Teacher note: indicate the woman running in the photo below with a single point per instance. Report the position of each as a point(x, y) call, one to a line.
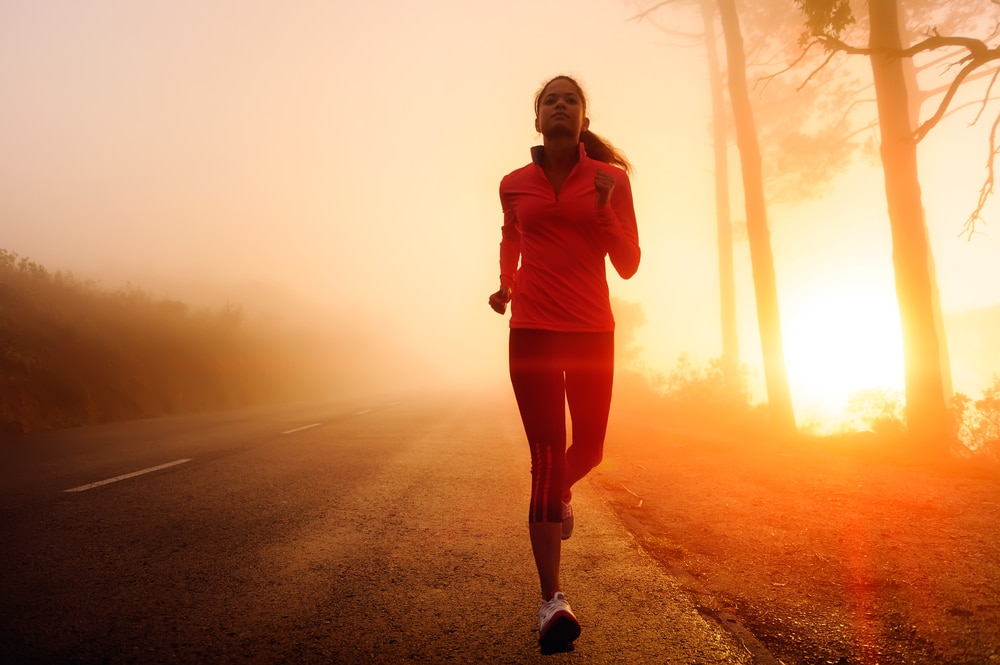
point(562, 215)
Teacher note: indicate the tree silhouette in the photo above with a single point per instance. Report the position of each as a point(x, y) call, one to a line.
point(926, 384)
point(720, 126)
point(723, 214)
point(762, 260)
point(758, 235)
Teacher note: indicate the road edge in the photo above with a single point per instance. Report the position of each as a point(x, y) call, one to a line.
point(704, 600)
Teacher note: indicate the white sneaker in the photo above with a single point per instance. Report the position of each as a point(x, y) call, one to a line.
point(557, 625)
point(567, 520)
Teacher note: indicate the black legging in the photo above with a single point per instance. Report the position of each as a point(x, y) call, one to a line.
point(548, 370)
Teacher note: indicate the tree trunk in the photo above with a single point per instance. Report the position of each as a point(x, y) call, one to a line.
point(914, 104)
point(723, 216)
point(944, 357)
point(765, 283)
point(926, 413)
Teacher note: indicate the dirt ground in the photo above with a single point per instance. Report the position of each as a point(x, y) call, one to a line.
point(849, 556)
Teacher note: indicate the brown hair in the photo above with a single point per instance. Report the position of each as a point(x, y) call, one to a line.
point(597, 148)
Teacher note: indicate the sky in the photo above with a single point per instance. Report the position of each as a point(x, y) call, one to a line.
point(342, 160)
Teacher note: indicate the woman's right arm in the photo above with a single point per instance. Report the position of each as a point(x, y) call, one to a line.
point(510, 254)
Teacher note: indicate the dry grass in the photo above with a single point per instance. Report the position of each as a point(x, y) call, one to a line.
point(829, 550)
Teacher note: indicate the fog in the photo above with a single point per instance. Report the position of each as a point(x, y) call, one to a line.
point(339, 163)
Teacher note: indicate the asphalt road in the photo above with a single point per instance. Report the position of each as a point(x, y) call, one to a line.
point(353, 532)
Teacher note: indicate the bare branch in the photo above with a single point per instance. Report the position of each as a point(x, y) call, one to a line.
point(969, 228)
point(805, 52)
point(691, 38)
point(942, 58)
point(850, 107)
point(978, 55)
point(928, 93)
point(979, 102)
point(645, 14)
point(834, 44)
point(977, 48)
point(870, 127)
point(829, 57)
point(986, 98)
point(929, 124)
point(978, 51)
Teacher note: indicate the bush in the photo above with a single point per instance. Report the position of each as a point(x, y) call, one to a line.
point(709, 386)
point(694, 398)
point(880, 410)
point(977, 423)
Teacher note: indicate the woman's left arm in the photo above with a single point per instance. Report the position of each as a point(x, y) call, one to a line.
point(616, 219)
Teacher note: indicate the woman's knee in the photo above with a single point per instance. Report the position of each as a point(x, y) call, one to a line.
point(583, 458)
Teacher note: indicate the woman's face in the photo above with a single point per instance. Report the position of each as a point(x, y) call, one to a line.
point(561, 110)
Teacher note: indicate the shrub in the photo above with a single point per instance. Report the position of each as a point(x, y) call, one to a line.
point(880, 410)
point(711, 397)
point(977, 423)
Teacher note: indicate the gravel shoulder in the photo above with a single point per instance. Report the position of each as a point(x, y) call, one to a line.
point(826, 555)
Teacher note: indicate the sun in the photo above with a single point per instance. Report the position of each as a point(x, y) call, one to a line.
point(837, 343)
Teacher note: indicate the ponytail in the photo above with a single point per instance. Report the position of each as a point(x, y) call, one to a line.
point(602, 150)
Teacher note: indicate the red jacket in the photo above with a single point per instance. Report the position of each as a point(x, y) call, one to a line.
point(561, 241)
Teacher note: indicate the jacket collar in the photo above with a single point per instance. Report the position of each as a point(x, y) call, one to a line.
point(536, 153)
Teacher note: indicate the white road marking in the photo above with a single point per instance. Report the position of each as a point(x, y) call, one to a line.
point(83, 488)
point(299, 429)
point(361, 413)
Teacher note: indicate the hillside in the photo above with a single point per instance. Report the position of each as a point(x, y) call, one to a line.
point(72, 353)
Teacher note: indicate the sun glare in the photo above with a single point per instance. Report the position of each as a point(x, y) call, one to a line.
point(838, 343)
